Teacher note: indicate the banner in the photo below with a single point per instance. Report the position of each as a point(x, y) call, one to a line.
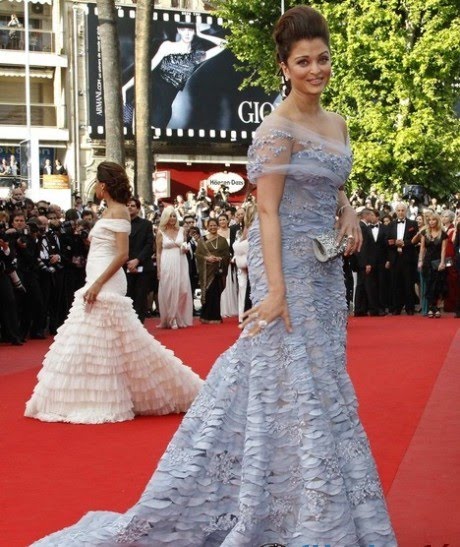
point(194, 85)
point(230, 182)
point(161, 184)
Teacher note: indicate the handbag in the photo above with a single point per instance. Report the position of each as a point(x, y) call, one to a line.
point(435, 263)
point(326, 247)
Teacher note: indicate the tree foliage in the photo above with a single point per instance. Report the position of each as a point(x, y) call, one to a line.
point(143, 165)
point(396, 80)
point(111, 75)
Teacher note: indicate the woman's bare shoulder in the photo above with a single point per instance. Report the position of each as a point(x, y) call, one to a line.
point(119, 212)
point(339, 120)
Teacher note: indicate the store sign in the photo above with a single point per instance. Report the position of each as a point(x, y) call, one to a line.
point(230, 181)
point(55, 182)
point(161, 184)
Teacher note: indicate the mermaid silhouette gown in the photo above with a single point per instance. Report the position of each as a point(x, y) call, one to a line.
point(272, 449)
point(103, 365)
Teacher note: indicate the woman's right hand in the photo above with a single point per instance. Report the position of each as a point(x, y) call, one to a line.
point(274, 305)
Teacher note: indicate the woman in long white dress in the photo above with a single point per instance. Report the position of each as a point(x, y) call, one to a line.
point(174, 290)
point(229, 297)
point(240, 254)
point(104, 366)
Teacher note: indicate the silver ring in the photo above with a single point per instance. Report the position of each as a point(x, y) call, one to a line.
point(262, 324)
point(350, 237)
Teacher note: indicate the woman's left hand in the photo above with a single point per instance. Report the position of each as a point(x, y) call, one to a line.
point(90, 295)
point(274, 305)
point(441, 266)
point(349, 226)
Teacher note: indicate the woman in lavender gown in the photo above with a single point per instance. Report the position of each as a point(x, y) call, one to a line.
point(272, 450)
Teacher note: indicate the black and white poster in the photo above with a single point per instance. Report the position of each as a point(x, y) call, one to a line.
point(194, 92)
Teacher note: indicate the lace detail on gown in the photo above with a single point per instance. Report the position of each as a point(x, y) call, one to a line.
point(103, 365)
point(272, 450)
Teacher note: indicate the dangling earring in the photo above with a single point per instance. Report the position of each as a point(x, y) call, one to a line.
point(285, 86)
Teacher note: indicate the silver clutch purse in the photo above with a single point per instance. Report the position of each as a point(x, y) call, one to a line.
point(325, 246)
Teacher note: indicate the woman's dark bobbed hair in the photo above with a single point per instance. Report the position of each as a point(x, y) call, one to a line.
point(298, 23)
point(116, 181)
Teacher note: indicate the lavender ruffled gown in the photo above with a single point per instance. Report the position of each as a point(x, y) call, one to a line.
point(272, 450)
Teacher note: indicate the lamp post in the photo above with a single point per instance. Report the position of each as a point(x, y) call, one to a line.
point(282, 6)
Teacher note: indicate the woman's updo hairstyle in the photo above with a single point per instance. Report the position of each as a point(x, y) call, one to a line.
point(116, 181)
point(298, 23)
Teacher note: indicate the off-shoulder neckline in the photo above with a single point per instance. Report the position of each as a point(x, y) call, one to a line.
point(288, 124)
point(122, 219)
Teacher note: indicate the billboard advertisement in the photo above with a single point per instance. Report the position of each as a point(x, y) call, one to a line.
point(194, 93)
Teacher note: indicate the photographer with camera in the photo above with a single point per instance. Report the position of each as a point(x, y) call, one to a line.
point(202, 208)
point(51, 273)
point(72, 235)
point(9, 323)
point(23, 238)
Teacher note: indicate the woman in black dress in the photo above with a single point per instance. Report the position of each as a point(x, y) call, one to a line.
point(432, 262)
point(174, 63)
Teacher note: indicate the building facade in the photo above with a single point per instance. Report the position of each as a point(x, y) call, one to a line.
point(47, 100)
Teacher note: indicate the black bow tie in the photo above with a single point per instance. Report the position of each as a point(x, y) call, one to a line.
point(401, 221)
point(374, 225)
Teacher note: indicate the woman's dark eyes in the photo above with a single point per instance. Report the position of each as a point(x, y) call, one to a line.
point(305, 62)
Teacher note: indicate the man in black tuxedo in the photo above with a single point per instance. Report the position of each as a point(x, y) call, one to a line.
point(236, 228)
point(374, 257)
point(193, 234)
point(139, 268)
point(361, 306)
point(23, 238)
point(403, 261)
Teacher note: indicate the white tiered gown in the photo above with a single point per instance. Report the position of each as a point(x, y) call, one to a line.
point(103, 365)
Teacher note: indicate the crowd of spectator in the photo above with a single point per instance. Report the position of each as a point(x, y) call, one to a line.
point(43, 252)
point(408, 262)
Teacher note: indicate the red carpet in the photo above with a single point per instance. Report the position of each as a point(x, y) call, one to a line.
point(404, 374)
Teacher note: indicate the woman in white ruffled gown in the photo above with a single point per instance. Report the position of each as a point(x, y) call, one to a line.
point(174, 290)
point(103, 365)
point(229, 297)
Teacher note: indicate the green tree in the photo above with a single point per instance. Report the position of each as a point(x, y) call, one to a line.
point(111, 76)
point(396, 80)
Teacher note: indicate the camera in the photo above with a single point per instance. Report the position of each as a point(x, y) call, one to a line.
point(34, 228)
